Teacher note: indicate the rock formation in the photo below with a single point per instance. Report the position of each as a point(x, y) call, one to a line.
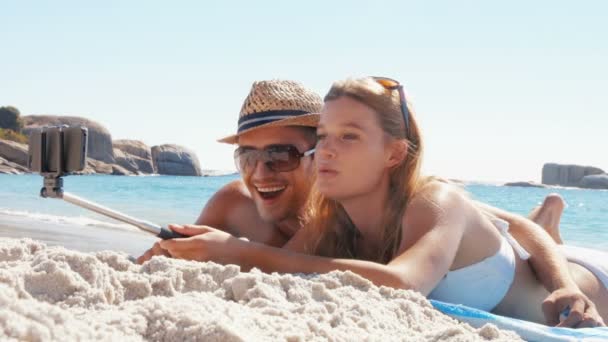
point(119, 157)
point(8, 167)
point(134, 156)
point(594, 182)
point(573, 175)
point(14, 152)
point(526, 184)
point(176, 160)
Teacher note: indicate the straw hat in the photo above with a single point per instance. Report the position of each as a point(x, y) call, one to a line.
point(277, 103)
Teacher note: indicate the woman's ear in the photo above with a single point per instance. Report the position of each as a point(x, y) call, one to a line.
point(397, 152)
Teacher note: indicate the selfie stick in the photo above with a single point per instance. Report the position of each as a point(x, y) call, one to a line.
point(53, 188)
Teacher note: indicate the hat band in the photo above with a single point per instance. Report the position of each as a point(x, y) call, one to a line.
point(257, 119)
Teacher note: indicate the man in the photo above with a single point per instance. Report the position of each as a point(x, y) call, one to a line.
point(276, 138)
point(265, 205)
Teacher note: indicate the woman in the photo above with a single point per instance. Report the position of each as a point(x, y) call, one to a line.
point(372, 213)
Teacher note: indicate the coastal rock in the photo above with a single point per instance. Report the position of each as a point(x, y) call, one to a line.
point(97, 166)
point(14, 152)
point(99, 138)
point(133, 147)
point(144, 166)
point(567, 175)
point(218, 173)
point(594, 182)
point(133, 154)
point(175, 160)
point(118, 170)
point(8, 167)
point(119, 157)
point(125, 161)
point(526, 184)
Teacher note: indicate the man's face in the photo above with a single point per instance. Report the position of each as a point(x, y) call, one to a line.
point(278, 195)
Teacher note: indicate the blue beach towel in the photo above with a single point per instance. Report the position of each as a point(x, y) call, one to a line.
point(527, 330)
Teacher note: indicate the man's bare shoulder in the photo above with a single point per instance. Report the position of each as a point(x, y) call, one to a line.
point(233, 210)
point(233, 191)
point(232, 197)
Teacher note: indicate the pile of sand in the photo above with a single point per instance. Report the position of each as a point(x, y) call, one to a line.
point(51, 293)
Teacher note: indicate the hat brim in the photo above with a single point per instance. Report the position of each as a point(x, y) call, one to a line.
point(306, 120)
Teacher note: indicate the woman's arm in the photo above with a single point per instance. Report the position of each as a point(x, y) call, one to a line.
point(551, 269)
point(433, 226)
point(270, 259)
point(550, 266)
point(210, 244)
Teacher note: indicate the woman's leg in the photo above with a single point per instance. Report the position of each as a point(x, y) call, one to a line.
point(549, 214)
point(589, 269)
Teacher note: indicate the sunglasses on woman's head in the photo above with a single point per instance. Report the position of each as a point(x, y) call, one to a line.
point(278, 158)
point(391, 84)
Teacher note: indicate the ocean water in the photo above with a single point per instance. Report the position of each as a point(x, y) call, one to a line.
point(166, 199)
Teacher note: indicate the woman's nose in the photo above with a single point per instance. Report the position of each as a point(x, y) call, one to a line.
point(325, 149)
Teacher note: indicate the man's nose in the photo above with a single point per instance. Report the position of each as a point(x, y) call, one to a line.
point(261, 170)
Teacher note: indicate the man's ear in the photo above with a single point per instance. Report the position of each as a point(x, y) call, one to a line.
point(397, 153)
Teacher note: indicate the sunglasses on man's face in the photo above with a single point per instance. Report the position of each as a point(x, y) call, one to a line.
point(391, 84)
point(278, 158)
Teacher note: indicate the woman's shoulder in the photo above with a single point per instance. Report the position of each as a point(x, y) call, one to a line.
point(436, 199)
point(439, 191)
point(436, 206)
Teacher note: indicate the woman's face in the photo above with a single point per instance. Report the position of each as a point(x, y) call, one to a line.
point(352, 151)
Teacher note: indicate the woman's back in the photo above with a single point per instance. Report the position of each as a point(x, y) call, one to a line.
point(486, 272)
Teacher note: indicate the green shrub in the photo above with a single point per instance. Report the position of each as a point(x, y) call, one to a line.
point(9, 118)
point(8, 134)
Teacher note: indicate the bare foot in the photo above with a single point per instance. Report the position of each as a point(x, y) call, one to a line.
point(549, 214)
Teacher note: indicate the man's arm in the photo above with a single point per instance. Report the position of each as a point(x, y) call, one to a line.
point(219, 209)
point(213, 214)
point(551, 269)
point(230, 210)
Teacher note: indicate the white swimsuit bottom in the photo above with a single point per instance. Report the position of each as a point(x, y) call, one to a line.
point(593, 260)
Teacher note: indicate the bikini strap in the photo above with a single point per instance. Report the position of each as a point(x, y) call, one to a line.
point(503, 228)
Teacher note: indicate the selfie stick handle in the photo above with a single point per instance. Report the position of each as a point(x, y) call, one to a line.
point(149, 227)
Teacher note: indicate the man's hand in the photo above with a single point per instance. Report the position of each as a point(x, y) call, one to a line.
point(155, 250)
point(204, 244)
point(158, 250)
point(582, 311)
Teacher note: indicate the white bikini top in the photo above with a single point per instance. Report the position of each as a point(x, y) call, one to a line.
point(483, 285)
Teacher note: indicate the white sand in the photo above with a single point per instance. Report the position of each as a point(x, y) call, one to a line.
point(51, 293)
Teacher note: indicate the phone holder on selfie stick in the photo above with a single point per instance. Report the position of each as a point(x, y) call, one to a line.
point(53, 183)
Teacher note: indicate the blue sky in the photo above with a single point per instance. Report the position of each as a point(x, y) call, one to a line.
point(499, 87)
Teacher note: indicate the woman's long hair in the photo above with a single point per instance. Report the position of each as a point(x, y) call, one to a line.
point(334, 232)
